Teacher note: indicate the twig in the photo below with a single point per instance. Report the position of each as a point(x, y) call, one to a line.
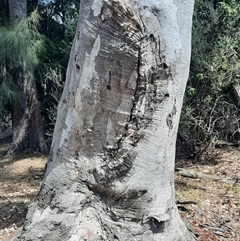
point(193, 174)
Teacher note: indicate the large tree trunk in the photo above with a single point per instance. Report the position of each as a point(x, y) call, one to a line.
point(27, 121)
point(111, 166)
point(26, 116)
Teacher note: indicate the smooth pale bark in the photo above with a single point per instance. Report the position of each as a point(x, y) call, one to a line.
point(111, 166)
point(26, 114)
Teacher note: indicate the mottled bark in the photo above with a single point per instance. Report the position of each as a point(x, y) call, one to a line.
point(17, 10)
point(111, 166)
point(26, 116)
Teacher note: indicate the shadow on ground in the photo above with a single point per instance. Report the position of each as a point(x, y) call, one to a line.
point(20, 179)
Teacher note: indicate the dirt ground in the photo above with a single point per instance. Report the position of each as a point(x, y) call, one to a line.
point(20, 179)
point(211, 209)
point(215, 214)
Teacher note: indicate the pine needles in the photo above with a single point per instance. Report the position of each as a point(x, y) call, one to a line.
point(20, 48)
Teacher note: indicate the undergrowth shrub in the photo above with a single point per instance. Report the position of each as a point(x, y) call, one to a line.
point(211, 106)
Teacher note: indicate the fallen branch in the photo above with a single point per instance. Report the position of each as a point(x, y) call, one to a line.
point(225, 144)
point(184, 202)
point(196, 175)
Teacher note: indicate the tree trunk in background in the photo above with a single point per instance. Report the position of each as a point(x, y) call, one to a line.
point(5, 6)
point(26, 116)
point(27, 121)
point(111, 166)
point(17, 10)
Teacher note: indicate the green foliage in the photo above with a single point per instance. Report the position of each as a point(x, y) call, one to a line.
point(52, 85)
point(210, 109)
point(22, 44)
point(59, 21)
point(20, 47)
point(59, 24)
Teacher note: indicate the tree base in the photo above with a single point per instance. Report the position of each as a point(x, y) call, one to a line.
point(89, 218)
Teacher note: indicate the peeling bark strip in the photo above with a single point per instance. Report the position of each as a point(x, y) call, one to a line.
point(110, 171)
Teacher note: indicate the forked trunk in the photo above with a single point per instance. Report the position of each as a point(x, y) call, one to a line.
point(111, 166)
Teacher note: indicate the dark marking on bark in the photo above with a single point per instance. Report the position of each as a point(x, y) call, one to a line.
point(78, 67)
point(155, 225)
point(114, 217)
point(77, 136)
point(116, 237)
point(118, 164)
point(120, 169)
point(169, 120)
point(109, 80)
point(151, 37)
point(165, 66)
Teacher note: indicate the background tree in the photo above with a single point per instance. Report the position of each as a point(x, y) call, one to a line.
point(19, 55)
point(111, 166)
point(47, 68)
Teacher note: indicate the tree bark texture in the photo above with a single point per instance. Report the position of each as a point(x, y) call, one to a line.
point(17, 10)
point(26, 115)
point(111, 165)
point(27, 121)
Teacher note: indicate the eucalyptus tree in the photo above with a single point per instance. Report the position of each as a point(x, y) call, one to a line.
point(20, 46)
point(111, 165)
